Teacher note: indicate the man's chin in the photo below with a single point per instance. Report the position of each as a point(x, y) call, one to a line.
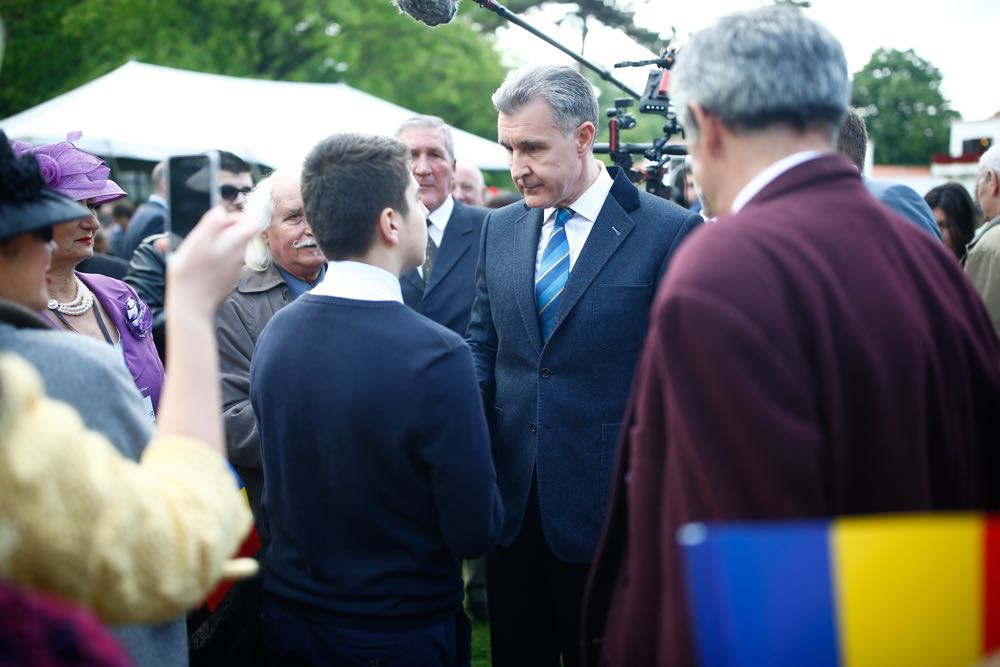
point(537, 199)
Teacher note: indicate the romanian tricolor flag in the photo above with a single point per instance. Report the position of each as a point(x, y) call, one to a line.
point(249, 549)
point(921, 589)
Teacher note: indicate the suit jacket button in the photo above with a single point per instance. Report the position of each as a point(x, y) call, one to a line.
point(545, 373)
point(534, 429)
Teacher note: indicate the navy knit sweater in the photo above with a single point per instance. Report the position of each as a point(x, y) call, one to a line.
point(377, 466)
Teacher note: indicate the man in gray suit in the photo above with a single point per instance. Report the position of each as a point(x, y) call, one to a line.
point(563, 289)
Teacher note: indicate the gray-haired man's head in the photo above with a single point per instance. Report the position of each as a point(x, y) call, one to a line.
point(758, 68)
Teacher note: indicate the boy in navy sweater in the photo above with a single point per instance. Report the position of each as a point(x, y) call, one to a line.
point(377, 467)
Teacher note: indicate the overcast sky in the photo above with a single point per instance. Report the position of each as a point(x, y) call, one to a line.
point(959, 37)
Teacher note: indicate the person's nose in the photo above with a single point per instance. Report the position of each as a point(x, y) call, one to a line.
point(421, 165)
point(519, 166)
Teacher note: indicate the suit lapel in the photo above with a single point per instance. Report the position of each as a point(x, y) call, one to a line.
point(528, 228)
point(455, 242)
point(414, 279)
point(612, 227)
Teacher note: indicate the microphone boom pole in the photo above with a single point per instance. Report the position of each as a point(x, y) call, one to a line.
point(505, 13)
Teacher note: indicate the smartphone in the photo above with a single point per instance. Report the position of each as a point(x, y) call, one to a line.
point(192, 189)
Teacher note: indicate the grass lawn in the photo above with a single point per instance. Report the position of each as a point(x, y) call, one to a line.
point(480, 644)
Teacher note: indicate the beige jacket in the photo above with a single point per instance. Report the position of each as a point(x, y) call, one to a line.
point(134, 542)
point(982, 265)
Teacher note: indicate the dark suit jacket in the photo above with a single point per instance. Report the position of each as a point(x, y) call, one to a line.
point(149, 219)
point(812, 356)
point(105, 265)
point(556, 407)
point(447, 297)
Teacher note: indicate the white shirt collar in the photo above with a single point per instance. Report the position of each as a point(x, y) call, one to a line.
point(359, 281)
point(439, 217)
point(761, 180)
point(589, 204)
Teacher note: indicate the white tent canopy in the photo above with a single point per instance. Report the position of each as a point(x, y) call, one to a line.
point(149, 112)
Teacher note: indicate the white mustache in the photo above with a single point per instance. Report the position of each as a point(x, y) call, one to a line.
point(305, 243)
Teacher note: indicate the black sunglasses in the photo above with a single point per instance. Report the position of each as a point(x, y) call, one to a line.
point(230, 192)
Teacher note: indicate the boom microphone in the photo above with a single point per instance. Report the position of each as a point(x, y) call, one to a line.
point(431, 12)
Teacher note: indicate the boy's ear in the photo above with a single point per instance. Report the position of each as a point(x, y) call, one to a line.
point(388, 226)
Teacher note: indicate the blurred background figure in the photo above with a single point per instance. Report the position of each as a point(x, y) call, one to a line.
point(982, 262)
point(470, 188)
point(150, 217)
point(683, 191)
point(104, 308)
point(955, 213)
point(852, 141)
point(121, 216)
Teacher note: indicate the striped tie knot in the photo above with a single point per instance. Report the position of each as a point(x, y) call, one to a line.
point(552, 272)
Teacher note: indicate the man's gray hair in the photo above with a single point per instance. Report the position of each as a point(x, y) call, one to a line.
point(259, 209)
point(990, 160)
point(433, 123)
point(762, 67)
point(568, 93)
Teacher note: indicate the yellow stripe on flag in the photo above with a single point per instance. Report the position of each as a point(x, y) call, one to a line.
point(908, 590)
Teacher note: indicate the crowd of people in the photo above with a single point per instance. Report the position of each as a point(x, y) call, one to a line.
point(368, 371)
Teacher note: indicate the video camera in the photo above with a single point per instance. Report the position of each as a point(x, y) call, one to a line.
point(662, 156)
point(664, 159)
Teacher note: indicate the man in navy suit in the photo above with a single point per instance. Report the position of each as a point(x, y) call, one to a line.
point(563, 290)
point(444, 286)
point(149, 217)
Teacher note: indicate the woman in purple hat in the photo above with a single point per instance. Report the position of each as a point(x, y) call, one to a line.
point(93, 305)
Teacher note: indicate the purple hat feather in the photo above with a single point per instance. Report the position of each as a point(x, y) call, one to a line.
point(73, 172)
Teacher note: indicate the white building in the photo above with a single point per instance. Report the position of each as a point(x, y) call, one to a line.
point(969, 138)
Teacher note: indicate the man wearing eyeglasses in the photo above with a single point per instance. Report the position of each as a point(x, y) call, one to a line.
point(147, 266)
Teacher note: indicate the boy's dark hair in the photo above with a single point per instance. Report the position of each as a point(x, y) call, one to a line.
point(347, 181)
point(232, 162)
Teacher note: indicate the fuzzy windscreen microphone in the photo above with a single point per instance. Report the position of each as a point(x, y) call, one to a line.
point(431, 12)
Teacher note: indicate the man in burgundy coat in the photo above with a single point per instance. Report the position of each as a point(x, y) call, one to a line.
point(810, 355)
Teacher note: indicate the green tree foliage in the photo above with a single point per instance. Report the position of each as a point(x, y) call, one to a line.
point(908, 118)
point(56, 45)
point(612, 13)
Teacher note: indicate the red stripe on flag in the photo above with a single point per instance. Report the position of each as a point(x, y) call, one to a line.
point(249, 548)
point(991, 583)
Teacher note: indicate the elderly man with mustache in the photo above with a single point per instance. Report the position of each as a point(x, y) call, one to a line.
point(282, 263)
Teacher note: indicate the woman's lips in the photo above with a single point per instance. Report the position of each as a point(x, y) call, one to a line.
point(88, 240)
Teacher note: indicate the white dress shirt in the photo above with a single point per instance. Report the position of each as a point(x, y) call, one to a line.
point(761, 180)
point(439, 220)
point(586, 208)
point(359, 281)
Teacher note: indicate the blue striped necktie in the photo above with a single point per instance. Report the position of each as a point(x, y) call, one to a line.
point(552, 272)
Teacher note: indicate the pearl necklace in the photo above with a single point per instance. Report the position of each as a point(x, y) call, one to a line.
point(81, 303)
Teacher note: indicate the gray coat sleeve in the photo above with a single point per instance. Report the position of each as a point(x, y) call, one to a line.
point(235, 352)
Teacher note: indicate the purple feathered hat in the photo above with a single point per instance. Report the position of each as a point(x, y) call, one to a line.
point(71, 171)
